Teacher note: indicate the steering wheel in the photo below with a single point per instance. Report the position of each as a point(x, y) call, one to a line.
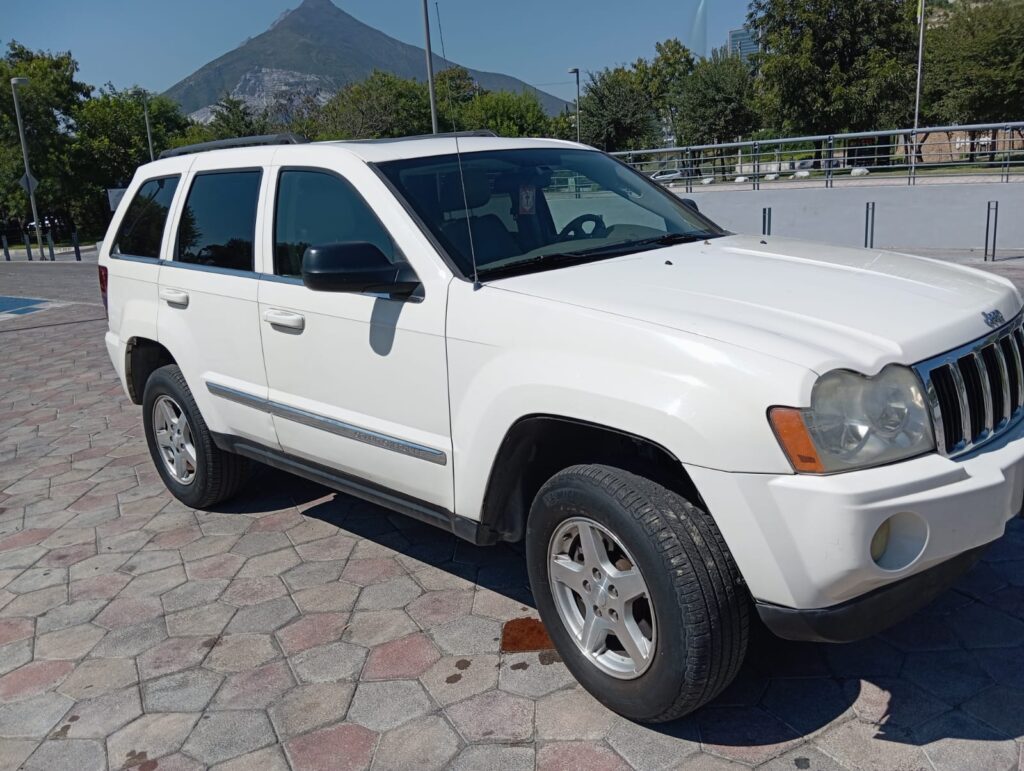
point(574, 230)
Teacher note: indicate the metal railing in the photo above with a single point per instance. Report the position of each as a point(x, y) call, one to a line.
point(900, 156)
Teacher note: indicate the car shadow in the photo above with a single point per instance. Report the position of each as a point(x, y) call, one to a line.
point(954, 670)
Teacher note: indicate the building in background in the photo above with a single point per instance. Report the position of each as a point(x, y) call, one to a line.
point(742, 42)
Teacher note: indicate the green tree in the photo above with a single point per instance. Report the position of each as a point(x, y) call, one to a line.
point(563, 125)
point(383, 105)
point(506, 114)
point(618, 111)
point(48, 106)
point(666, 78)
point(833, 65)
point(454, 88)
point(974, 64)
point(717, 104)
point(110, 142)
point(234, 118)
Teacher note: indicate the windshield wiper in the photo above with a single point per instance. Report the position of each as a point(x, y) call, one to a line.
point(668, 239)
point(562, 259)
point(551, 258)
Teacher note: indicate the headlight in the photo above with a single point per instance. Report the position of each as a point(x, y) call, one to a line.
point(856, 421)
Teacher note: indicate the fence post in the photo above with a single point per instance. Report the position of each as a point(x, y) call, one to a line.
point(7, 251)
point(828, 161)
point(766, 221)
point(991, 224)
point(912, 161)
point(74, 243)
point(869, 225)
point(1007, 152)
point(757, 165)
point(49, 243)
point(28, 244)
point(689, 170)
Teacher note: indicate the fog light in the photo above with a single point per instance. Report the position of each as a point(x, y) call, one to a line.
point(899, 541)
point(880, 541)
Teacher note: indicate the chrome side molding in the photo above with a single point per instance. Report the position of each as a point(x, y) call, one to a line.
point(337, 427)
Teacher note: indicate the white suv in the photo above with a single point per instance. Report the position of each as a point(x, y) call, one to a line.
point(525, 339)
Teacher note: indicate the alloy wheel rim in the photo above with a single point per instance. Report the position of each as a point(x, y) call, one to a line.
point(602, 598)
point(173, 435)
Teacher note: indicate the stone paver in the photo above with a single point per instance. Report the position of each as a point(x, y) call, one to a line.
point(226, 735)
point(344, 747)
point(297, 628)
point(381, 706)
point(311, 706)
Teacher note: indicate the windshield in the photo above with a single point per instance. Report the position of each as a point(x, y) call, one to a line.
point(535, 209)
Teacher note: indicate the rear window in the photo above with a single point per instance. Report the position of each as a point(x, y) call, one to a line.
point(142, 229)
point(218, 224)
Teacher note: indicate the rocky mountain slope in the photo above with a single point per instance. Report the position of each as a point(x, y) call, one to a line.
point(316, 48)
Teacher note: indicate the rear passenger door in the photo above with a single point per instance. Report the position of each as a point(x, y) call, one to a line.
point(207, 297)
point(133, 269)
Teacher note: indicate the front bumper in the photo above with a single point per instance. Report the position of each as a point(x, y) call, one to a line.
point(870, 613)
point(803, 542)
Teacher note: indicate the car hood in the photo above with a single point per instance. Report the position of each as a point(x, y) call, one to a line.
point(816, 305)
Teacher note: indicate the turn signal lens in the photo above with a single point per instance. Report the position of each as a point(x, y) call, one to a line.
point(791, 431)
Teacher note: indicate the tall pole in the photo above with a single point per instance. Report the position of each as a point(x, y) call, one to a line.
point(15, 82)
point(576, 71)
point(917, 90)
point(149, 132)
point(430, 68)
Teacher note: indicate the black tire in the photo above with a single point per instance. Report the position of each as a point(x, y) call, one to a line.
point(218, 474)
point(699, 601)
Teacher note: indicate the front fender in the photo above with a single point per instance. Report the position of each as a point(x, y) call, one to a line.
point(512, 355)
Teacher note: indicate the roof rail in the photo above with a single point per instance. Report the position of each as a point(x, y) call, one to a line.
point(442, 135)
point(221, 144)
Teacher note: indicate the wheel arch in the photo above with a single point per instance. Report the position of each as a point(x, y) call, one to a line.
point(142, 357)
point(538, 446)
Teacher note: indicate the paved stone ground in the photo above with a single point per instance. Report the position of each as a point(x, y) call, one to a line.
point(297, 628)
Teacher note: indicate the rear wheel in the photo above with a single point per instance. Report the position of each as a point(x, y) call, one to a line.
point(637, 590)
point(193, 468)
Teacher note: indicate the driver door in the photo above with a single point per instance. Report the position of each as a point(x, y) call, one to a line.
point(357, 382)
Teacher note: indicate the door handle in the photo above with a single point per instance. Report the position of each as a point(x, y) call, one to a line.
point(277, 318)
point(174, 296)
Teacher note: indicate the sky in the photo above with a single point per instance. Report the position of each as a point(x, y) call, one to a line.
point(156, 43)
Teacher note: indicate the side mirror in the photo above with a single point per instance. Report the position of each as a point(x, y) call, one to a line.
point(691, 203)
point(357, 267)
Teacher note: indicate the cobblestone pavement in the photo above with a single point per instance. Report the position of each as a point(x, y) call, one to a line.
point(300, 628)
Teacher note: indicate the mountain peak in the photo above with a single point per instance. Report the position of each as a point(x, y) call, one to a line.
point(317, 48)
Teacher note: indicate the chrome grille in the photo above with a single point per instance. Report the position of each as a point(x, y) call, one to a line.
point(976, 392)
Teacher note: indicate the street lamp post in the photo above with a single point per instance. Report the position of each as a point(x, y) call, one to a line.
point(917, 90)
point(149, 132)
point(576, 71)
point(15, 82)
point(430, 67)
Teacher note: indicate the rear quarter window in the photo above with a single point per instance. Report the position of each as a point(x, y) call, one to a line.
point(142, 229)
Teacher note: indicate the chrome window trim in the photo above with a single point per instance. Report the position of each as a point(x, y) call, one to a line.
point(211, 269)
point(136, 258)
point(276, 279)
point(999, 424)
point(337, 427)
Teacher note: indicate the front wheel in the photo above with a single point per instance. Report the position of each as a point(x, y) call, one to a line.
point(637, 590)
point(194, 469)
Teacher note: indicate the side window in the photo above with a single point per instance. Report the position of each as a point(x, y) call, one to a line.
point(315, 208)
point(142, 229)
point(218, 223)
